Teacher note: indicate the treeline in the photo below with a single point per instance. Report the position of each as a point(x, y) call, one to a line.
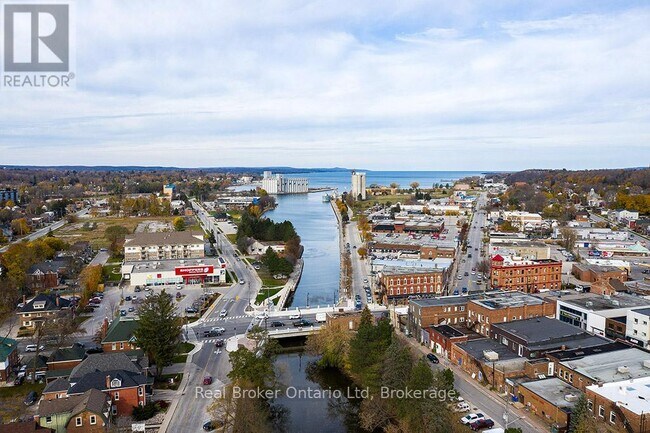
point(377, 360)
point(263, 229)
point(585, 179)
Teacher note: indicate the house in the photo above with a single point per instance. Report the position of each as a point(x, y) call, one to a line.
point(532, 338)
point(47, 274)
point(37, 364)
point(8, 357)
point(119, 336)
point(259, 248)
point(89, 412)
point(41, 308)
point(66, 358)
point(115, 374)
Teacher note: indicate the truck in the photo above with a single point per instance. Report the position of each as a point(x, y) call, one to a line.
point(321, 317)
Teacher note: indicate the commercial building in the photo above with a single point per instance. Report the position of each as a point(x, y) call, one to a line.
point(530, 276)
point(504, 307)
point(551, 399)
point(450, 310)
point(399, 283)
point(524, 249)
point(594, 273)
point(7, 194)
point(423, 247)
point(637, 328)
point(522, 219)
point(443, 337)
point(163, 246)
point(625, 364)
point(358, 185)
point(166, 272)
point(590, 312)
point(532, 338)
point(169, 191)
point(622, 404)
point(279, 184)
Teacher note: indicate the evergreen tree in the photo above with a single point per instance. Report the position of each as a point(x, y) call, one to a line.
point(158, 329)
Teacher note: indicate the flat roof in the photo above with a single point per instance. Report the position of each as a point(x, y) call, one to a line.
point(477, 348)
point(564, 355)
point(509, 299)
point(438, 264)
point(554, 391)
point(163, 238)
point(448, 331)
point(604, 367)
point(167, 265)
point(644, 311)
point(634, 394)
point(594, 302)
point(404, 239)
point(444, 300)
point(539, 329)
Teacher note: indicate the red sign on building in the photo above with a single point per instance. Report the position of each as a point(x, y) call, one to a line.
point(195, 270)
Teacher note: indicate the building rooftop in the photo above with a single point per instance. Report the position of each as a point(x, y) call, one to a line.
point(448, 331)
point(45, 302)
point(604, 367)
point(634, 395)
point(418, 241)
point(518, 261)
point(594, 302)
point(444, 300)
point(478, 347)
point(440, 263)
point(643, 311)
point(508, 299)
point(167, 265)
point(92, 400)
point(163, 238)
point(72, 353)
point(120, 330)
point(7, 345)
point(99, 362)
point(554, 391)
point(568, 354)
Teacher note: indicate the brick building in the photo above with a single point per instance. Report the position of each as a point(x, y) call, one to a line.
point(119, 336)
point(594, 273)
point(398, 284)
point(86, 413)
point(442, 337)
point(42, 307)
point(528, 276)
point(505, 307)
point(550, 399)
point(450, 310)
point(622, 404)
point(8, 357)
point(47, 274)
point(66, 358)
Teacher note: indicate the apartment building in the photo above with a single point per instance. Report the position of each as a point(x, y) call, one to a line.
point(399, 283)
point(637, 328)
point(163, 246)
point(530, 276)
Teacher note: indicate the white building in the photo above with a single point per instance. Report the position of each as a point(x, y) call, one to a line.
point(637, 328)
point(279, 184)
point(623, 214)
point(358, 185)
point(171, 272)
point(521, 219)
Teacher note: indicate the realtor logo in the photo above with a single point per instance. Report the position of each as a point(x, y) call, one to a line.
point(36, 38)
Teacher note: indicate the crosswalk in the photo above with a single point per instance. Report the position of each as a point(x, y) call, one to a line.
point(219, 319)
point(211, 340)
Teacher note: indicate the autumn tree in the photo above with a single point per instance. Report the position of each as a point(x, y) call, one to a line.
point(20, 227)
point(115, 235)
point(569, 238)
point(179, 224)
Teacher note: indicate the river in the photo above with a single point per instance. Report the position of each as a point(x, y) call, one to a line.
point(311, 397)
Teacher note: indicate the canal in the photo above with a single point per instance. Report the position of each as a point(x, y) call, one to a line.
point(316, 225)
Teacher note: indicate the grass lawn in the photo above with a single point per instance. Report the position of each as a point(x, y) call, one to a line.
point(234, 214)
point(12, 398)
point(185, 347)
point(267, 278)
point(266, 293)
point(163, 382)
point(76, 232)
point(112, 273)
point(232, 238)
point(179, 359)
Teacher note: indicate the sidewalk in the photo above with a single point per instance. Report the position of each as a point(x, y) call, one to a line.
point(477, 390)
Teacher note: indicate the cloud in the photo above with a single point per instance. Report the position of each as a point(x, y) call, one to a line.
point(369, 84)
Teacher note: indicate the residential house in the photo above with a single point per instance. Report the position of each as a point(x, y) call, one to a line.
point(119, 336)
point(47, 274)
point(66, 358)
point(41, 308)
point(24, 427)
point(8, 357)
point(89, 412)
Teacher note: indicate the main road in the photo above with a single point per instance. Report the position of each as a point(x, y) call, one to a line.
point(468, 261)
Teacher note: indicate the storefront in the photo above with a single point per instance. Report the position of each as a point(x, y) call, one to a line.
point(172, 272)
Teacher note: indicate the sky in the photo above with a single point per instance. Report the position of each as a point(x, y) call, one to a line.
point(382, 85)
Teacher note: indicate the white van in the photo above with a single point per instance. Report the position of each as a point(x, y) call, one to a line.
point(494, 430)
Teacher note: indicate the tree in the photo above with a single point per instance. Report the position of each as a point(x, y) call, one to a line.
point(179, 224)
point(115, 235)
point(363, 252)
point(581, 421)
point(158, 329)
point(332, 343)
point(19, 226)
point(569, 238)
point(415, 186)
point(394, 185)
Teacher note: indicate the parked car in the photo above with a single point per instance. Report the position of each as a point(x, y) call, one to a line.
point(207, 380)
point(19, 380)
point(481, 424)
point(131, 309)
point(242, 282)
point(122, 312)
point(31, 398)
point(471, 417)
point(33, 347)
point(137, 289)
point(462, 407)
point(209, 426)
point(433, 358)
point(179, 286)
point(277, 324)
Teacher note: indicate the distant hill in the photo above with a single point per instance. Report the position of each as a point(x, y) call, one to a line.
point(111, 168)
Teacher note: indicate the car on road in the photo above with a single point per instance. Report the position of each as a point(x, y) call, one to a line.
point(137, 289)
point(242, 282)
point(471, 417)
point(301, 323)
point(31, 398)
point(295, 316)
point(19, 380)
point(481, 424)
point(456, 292)
point(122, 313)
point(33, 347)
point(466, 274)
point(464, 290)
point(469, 256)
point(207, 380)
point(218, 330)
point(219, 343)
point(190, 310)
point(277, 324)
point(473, 272)
point(209, 426)
point(460, 277)
point(223, 313)
point(433, 358)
